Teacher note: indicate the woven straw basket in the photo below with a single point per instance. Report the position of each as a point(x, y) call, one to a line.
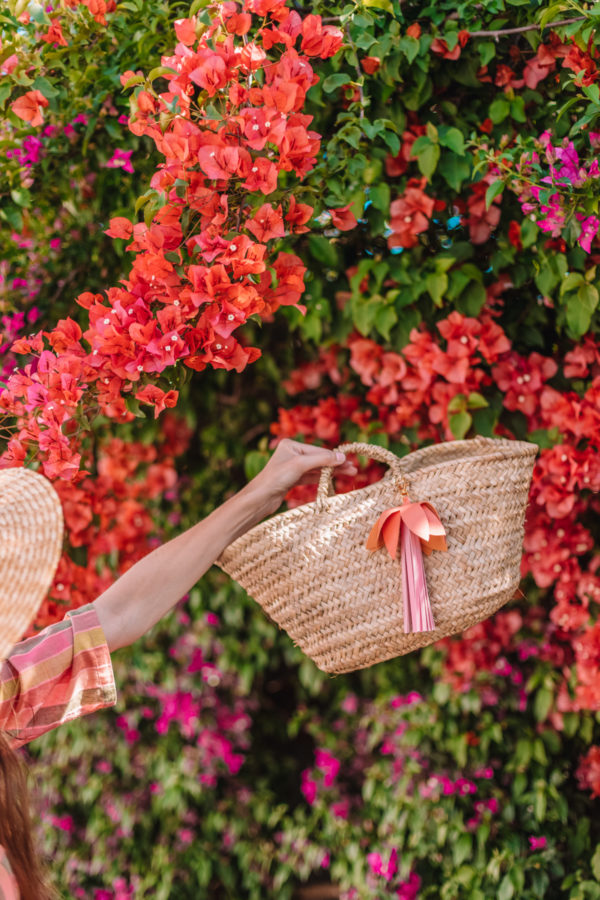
point(342, 604)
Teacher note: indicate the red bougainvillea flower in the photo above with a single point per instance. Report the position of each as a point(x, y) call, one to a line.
point(343, 218)
point(582, 63)
point(440, 47)
point(397, 165)
point(157, 398)
point(370, 64)
point(29, 107)
point(318, 39)
point(120, 227)
point(410, 214)
point(588, 773)
point(186, 295)
point(185, 29)
point(54, 34)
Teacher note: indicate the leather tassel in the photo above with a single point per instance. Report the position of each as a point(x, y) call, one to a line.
point(414, 528)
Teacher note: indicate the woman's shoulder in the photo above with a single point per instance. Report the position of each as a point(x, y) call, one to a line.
point(8, 883)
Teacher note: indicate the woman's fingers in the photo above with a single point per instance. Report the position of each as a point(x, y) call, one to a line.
point(313, 475)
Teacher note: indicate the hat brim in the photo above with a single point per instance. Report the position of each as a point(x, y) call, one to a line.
point(31, 536)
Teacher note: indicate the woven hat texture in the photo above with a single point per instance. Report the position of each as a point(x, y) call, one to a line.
point(31, 533)
point(341, 604)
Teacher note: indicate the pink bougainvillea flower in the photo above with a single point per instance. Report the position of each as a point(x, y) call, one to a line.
point(121, 159)
point(589, 230)
point(308, 787)
point(329, 765)
point(379, 867)
point(537, 843)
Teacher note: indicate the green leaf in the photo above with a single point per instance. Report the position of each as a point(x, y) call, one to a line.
point(540, 802)
point(333, 82)
point(476, 400)
point(363, 315)
point(506, 889)
point(550, 13)
point(579, 309)
point(517, 110)
point(596, 863)
point(409, 46)
point(135, 79)
point(393, 142)
point(499, 109)
point(460, 423)
point(462, 849)
point(427, 158)
point(542, 703)
point(455, 170)
point(12, 215)
point(493, 191)
point(385, 320)
point(572, 281)
point(379, 195)
point(458, 403)
point(437, 285)
point(592, 91)
point(453, 139)
point(323, 250)
point(160, 72)
point(21, 197)
point(5, 92)
point(46, 87)
point(487, 51)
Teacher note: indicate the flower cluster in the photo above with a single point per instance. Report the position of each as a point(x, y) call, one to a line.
point(207, 260)
point(553, 199)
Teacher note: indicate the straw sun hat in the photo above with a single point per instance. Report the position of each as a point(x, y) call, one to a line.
point(31, 533)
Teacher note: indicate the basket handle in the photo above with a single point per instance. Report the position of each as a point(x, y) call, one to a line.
point(373, 451)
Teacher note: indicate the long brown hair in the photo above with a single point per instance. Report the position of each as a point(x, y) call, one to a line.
point(16, 833)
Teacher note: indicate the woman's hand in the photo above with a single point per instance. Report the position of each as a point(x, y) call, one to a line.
point(292, 463)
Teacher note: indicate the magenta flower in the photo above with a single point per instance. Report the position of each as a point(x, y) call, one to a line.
point(378, 867)
point(308, 786)
point(329, 765)
point(409, 890)
point(537, 843)
point(121, 159)
point(65, 823)
point(589, 230)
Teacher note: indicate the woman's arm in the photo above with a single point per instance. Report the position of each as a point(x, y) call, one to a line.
point(142, 596)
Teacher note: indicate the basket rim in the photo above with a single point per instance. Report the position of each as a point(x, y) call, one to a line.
point(517, 448)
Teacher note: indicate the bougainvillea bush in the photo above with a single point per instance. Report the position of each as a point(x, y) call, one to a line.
point(224, 224)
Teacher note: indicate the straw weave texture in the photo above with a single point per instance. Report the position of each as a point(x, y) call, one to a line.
point(31, 532)
point(340, 603)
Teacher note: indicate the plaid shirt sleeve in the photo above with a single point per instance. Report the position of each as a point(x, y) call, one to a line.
point(60, 674)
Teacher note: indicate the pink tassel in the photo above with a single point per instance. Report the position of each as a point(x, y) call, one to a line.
point(417, 607)
point(414, 527)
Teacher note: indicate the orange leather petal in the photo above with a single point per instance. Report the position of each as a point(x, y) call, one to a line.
point(375, 539)
point(391, 533)
point(414, 518)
